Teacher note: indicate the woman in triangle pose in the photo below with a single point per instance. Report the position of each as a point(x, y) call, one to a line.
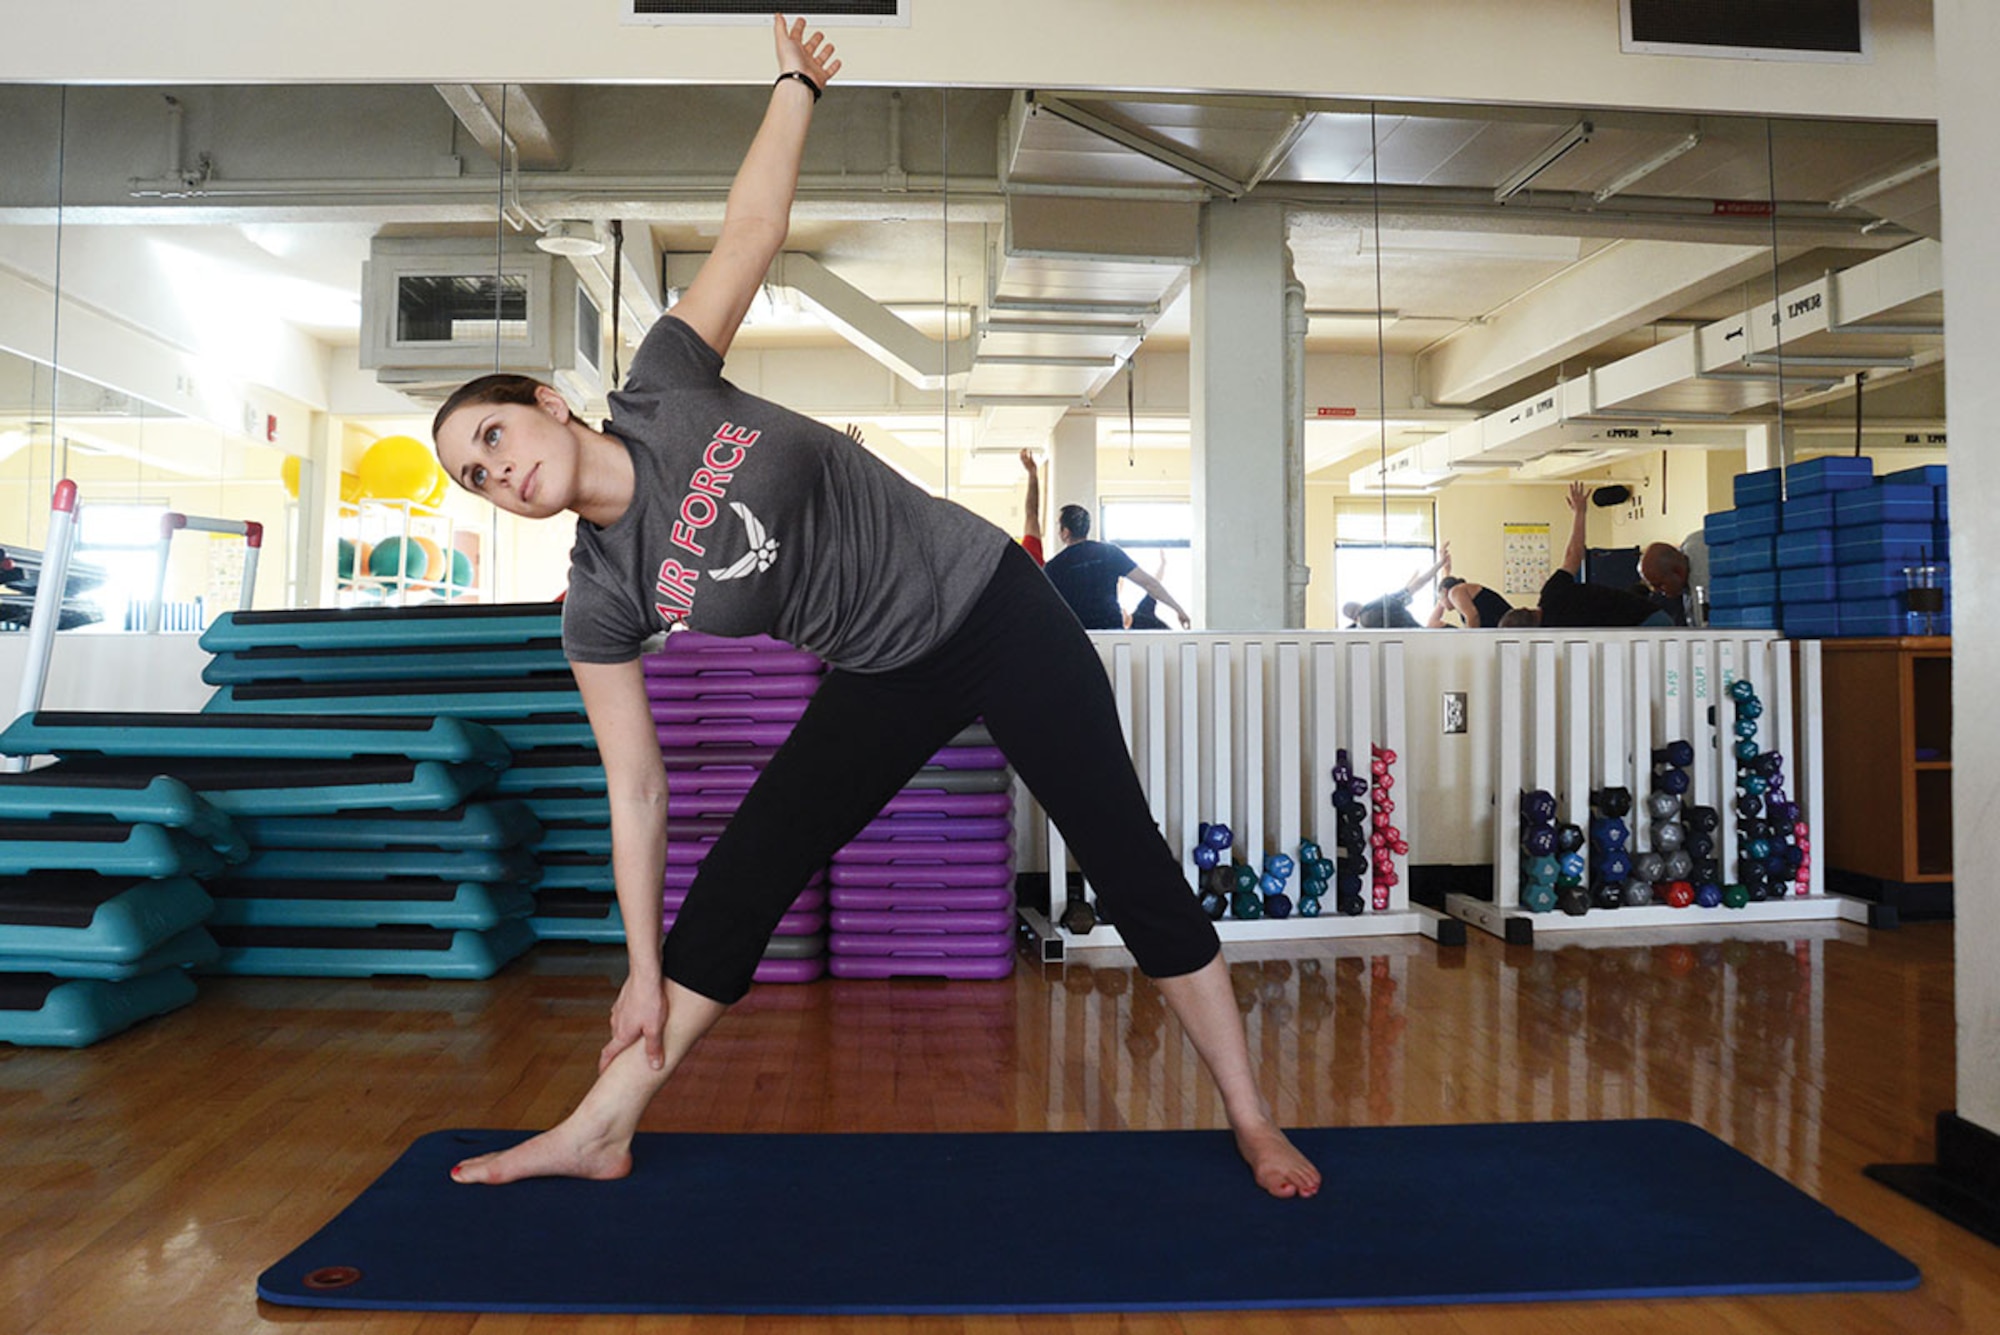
point(699, 505)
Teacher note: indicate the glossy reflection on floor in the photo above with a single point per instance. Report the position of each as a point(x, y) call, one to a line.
point(1729, 1034)
point(145, 1182)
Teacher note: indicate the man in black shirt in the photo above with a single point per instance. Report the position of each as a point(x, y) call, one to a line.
point(1086, 574)
point(1567, 601)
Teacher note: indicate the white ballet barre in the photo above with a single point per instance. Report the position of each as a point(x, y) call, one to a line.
point(173, 522)
point(47, 613)
point(1586, 712)
point(1242, 730)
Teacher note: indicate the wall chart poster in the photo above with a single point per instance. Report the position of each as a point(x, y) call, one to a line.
point(1524, 557)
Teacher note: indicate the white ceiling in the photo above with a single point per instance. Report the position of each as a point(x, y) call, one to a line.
point(907, 197)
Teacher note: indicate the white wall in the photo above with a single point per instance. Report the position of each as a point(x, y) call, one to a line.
point(1473, 518)
point(153, 321)
point(1669, 499)
point(146, 673)
point(1528, 50)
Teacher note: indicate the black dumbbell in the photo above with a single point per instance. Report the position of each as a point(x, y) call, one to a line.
point(1615, 803)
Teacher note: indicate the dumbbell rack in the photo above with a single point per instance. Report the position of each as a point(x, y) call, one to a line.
point(1242, 730)
point(1581, 714)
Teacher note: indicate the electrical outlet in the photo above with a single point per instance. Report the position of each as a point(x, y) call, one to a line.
point(1454, 712)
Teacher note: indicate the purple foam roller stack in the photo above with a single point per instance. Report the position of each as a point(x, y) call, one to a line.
point(721, 708)
point(926, 890)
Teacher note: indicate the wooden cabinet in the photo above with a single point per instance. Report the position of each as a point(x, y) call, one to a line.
point(1886, 711)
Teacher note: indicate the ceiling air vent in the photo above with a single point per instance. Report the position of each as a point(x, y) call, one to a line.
point(837, 14)
point(1830, 30)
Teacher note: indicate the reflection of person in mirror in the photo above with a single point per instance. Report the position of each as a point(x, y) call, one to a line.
point(698, 504)
point(1478, 607)
point(1086, 573)
point(1391, 611)
point(1567, 601)
point(1031, 511)
point(1664, 570)
point(1146, 615)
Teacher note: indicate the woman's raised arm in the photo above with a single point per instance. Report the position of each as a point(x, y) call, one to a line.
point(758, 215)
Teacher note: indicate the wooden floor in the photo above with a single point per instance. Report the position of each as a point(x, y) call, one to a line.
point(145, 1182)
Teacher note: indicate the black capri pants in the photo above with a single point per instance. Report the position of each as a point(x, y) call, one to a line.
point(1022, 663)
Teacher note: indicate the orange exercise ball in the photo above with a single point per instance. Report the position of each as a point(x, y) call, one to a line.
point(434, 562)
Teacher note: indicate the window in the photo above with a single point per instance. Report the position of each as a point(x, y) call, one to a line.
point(455, 308)
point(1158, 536)
point(122, 541)
point(1378, 545)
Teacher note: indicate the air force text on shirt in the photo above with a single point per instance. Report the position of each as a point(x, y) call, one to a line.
point(699, 509)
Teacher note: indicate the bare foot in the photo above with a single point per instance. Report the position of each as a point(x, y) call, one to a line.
point(562, 1152)
point(1278, 1167)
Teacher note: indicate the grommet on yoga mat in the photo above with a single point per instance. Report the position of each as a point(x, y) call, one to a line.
point(332, 1277)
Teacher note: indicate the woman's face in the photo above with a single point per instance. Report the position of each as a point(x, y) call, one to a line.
point(522, 457)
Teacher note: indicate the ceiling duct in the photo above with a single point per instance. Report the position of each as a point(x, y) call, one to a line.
point(436, 312)
point(1884, 314)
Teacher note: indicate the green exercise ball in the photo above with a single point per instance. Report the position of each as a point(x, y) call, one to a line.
point(394, 557)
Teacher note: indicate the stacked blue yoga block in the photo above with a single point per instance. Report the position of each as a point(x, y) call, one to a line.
point(1828, 559)
point(101, 918)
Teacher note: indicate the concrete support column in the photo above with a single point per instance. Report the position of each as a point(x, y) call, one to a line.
point(1245, 513)
point(1964, 1182)
point(1968, 33)
point(1072, 475)
point(318, 519)
point(1760, 449)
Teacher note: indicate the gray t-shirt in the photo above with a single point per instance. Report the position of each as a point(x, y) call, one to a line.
point(750, 519)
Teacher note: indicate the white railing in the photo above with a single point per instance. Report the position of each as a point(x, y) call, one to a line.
point(1243, 730)
point(1584, 713)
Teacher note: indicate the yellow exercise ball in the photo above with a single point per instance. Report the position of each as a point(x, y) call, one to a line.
point(289, 471)
point(439, 487)
point(397, 468)
point(350, 487)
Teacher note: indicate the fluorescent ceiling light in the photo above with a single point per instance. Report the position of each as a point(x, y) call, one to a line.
point(1889, 182)
point(1647, 168)
point(1576, 134)
point(1497, 245)
point(1387, 317)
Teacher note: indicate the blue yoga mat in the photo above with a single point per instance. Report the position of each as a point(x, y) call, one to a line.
point(1146, 1220)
